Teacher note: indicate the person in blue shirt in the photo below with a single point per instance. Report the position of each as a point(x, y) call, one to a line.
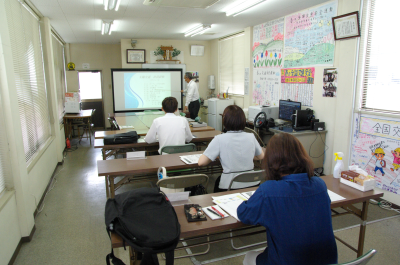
point(293, 206)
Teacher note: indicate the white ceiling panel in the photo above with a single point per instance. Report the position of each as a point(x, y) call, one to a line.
point(77, 21)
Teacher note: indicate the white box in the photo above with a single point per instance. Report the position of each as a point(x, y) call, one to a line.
point(72, 102)
point(72, 107)
point(272, 112)
point(368, 185)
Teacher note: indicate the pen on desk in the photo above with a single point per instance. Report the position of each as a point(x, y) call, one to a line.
point(208, 209)
point(217, 211)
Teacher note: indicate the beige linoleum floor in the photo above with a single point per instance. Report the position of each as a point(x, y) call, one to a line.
point(70, 228)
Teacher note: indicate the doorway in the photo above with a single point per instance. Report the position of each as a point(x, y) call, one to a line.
point(91, 93)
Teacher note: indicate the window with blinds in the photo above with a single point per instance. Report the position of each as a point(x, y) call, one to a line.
point(29, 76)
point(59, 68)
point(231, 64)
point(380, 79)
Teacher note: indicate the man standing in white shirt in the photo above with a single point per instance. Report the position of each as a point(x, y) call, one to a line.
point(192, 96)
point(170, 129)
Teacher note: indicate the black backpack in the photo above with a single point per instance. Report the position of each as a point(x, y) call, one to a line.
point(122, 138)
point(146, 221)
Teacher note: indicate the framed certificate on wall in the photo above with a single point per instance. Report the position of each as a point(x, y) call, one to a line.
point(197, 50)
point(346, 26)
point(135, 56)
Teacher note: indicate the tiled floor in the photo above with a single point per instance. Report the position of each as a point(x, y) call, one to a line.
point(70, 228)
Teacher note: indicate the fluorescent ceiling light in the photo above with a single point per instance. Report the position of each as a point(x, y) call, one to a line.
point(106, 27)
point(111, 4)
point(245, 5)
point(199, 29)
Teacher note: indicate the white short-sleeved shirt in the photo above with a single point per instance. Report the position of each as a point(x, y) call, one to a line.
point(192, 92)
point(236, 151)
point(170, 130)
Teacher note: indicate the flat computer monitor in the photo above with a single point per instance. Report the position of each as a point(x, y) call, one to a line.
point(287, 108)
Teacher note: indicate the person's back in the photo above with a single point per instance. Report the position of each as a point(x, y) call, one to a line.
point(169, 129)
point(296, 214)
point(293, 206)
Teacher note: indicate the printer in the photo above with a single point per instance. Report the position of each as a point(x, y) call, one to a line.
point(272, 112)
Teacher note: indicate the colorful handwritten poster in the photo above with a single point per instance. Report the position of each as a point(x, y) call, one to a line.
point(309, 38)
point(298, 75)
point(268, 44)
point(266, 85)
point(303, 93)
point(376, 149)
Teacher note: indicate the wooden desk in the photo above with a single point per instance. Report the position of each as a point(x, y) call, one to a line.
point(200, 137)
point(145, 169)
point(195, 230)
point(68, 117)
point(101, 134)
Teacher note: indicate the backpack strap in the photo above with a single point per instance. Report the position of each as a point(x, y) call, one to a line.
point(114, 259)
point(169, 257)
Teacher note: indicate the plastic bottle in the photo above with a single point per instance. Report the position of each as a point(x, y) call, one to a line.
point(339, 167)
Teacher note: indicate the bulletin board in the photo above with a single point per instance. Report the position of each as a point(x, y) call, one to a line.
point(376, 149)
point(294, 42)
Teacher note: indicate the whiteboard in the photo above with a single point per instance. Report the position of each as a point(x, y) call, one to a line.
point(163, 65)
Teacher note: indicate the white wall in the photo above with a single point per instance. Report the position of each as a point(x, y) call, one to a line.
point(16, 214)
point(199, 64)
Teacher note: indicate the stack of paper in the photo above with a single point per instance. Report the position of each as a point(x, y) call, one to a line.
point(196, 124)
point(191, 159)
point(230, 203)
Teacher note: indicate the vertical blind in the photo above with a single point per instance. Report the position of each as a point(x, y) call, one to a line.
point(380, 78)
point(27, 57)
point(231, 64)
point(59, 68)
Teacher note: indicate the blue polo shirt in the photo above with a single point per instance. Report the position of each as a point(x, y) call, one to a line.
point(296, 214)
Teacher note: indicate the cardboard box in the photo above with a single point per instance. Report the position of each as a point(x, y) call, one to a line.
point(368, 185)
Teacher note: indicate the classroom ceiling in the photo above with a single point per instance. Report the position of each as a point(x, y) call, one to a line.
point(79, 21)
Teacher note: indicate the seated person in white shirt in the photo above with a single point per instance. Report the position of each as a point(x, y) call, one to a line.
point(236, 150)
point(169, 129)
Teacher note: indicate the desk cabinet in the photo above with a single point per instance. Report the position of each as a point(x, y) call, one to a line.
point(313, 142)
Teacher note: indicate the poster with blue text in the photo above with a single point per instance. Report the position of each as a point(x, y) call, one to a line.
point(309, 38)
point(376, 149)
point(267, 61)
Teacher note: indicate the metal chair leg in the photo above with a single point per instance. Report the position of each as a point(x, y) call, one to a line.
point(246, 246)
point(191, 255)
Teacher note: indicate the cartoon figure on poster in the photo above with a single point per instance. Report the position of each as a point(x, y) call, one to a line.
point(380, 163)
point(396, 160)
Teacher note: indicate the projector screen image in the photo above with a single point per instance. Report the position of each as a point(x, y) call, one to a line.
point(145, 89)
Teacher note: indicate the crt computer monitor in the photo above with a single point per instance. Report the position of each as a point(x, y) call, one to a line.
point(287, 108)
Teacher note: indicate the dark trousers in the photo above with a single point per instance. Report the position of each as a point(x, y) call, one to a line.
point(194, 108)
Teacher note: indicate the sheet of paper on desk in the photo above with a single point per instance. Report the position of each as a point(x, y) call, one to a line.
point(248, 194)
point(191, 159)
point(135, 155)
point(127, 127)
point(212, 215)
point(179, 198)
point(140, 140)
point(334, 196)
point(230, 203)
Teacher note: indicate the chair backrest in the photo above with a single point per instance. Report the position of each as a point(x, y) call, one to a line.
point(247, 177)
point(173, 149)
point(364, 259)
point(259, 140)
point(180, 182)
point(113, 123)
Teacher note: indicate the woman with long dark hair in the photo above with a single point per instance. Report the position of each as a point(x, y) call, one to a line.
point(293, 206)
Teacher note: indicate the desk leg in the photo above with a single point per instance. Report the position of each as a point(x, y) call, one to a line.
point(112, 188)
point(107, 189)
point(103, 151)
point(363, 227)
point(132, 256)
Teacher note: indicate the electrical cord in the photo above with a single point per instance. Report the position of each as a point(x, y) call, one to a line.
point(52, 185)
point(309, 150)
point(384, 205)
